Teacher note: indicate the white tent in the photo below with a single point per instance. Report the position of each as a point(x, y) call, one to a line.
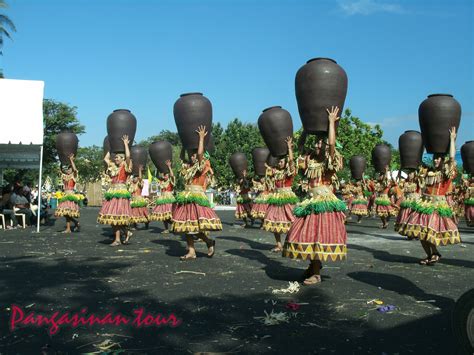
point(21, 133)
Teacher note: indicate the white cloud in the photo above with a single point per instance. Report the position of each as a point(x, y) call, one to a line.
point(368, 7)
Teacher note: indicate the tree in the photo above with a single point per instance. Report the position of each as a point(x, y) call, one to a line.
point(6, 27)
point(90, 163)
point(165, 135)
point(57, 117)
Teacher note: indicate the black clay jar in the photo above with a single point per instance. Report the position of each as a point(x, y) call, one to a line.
point(139, 156)
point(357, 165)
point(160, 152)
point(275, 125)
point(319, 84)
point(259, 157)
point(437, 114)
point(381, 156)
point(467, 155)
point(238, 163)
point(66, 144)
point(191, 111)
point(119, 123)
point(410, 146)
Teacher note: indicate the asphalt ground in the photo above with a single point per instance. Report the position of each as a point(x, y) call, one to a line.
point(228, 304)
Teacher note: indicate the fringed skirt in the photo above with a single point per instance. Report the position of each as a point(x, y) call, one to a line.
point(163, 210)
point(139, 210)
point(116, 209)
point(244, 208)
point(318, 232)
point(260, 206)
point(469, 211)
point(404, 212)
point(384, 208)
point(279, 215)
point(359, 207)
point(68, 206)
point(193, 213)
point(432, 220)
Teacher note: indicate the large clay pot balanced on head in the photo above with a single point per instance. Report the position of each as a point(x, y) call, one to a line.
point(191, 111)
point(410, 146)
point(259, 157)
point(319, 84)
point(160, 152)
point(437, 114)
point(381, 156)
point(358, 163)
point(139, 156)
point(272, 161)
point(467, 155)
point(66, 144)
point(275, 125)
point(238, 163)
point(120, 123)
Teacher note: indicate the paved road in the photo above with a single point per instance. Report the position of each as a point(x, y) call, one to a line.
point(221, 302)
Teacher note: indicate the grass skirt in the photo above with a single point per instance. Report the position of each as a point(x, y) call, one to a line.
point(384, 208)
point(432, 220)
point(163, 210)
point(318, 232)
point(139, 210)
point(193, 214)
point(279, 214)
point(243, 210)
point(116, 209)
point(359, 208)
point(68, 207)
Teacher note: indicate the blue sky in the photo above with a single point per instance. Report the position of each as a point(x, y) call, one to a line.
point(243, 55)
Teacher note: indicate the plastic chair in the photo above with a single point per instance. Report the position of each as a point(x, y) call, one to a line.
point(23, 218)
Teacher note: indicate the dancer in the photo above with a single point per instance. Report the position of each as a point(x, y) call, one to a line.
point(69, 204)
point(262, 188)
point(432, 218)
point(469, 201)
point(163, 210)
point(244, 202)
point(411, 189)
point(318, 232)
point(116, 210)
point(139, 204)
point(384, 206)
point(193, 214)
point(279, 215)
point(359, 202)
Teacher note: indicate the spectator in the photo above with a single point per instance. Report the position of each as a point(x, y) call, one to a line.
point(21, 204)
point(5, 207)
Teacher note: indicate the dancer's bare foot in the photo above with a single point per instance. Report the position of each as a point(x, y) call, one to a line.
point(129, 234)
point(115, 243)
point(166, 231)
point(277, 249)
point(211, 249)
point(67, 231)
point(425, 261)
point(315, 279)
point(188, 256)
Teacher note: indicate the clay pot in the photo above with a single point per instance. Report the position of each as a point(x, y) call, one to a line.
point(275, 126)
point(238, 163)
point(437, 114)
point(272, 161)
point(139, 156)
point(358, 163)
point(410, 145)
point(467, 155)
point(381, 156)
point(319, 84)
point(191, 111)
point(66, 144)
point(259, 157)
point(160, 152)
point(119, 123)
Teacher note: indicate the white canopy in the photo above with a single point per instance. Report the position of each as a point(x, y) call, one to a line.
point(21, 133)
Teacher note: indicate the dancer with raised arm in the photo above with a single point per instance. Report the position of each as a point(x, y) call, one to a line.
point(279, 215)
point(318, 232)
point(116, 210)
point(163, 210)
point(139, 203)
point(193, 214)
point(432, 219)
point(69, 204)
point(410, 194)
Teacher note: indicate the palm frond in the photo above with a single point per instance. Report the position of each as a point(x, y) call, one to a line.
point(6, 22)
